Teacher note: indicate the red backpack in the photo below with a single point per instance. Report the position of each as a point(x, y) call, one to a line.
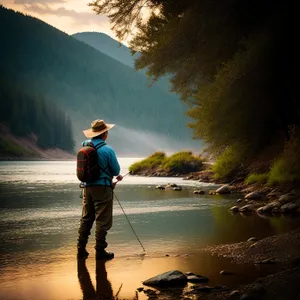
point(88, 169)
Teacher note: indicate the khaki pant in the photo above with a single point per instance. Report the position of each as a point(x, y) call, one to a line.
point(97, 206)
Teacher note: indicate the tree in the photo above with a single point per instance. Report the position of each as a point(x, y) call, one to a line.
point(232, 61)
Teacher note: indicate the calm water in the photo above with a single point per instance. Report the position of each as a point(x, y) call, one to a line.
point(40, 211)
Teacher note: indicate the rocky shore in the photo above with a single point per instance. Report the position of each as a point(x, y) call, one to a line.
point(280, 250)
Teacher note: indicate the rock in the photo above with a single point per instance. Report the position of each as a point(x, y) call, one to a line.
point(140, 289)
point(150, 292)
point(289, 207)
point(267, 261)
point(252, 239)
point(234, 294)
point(167, 255)
point(172, 185)
point(234, 209)
point(189, 273)
point(269, 207)
point(170, 278)
point(274, 194)
point(253, 245)
point(246, 208)
point(287, 198)
point(160, 187)
point(196, 278)
point(177, 188)
point(206, 289)
point(211, 193)
point(255, 196)
point(225, 272)
point(200, 192)
point(259, 289)
point(239, 200)
point(224, 189)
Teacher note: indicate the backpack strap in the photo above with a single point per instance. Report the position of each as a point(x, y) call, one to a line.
point(105, 169)
point(100, 145)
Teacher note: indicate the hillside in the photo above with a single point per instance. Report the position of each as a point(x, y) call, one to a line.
point(119, 52)
point(107, 45)
point(88, 84)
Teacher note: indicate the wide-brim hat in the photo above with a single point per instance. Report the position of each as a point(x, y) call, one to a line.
point(97, 128)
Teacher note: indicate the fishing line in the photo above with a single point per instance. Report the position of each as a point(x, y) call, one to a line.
point(129, 223)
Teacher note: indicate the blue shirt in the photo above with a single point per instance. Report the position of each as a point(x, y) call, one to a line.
point(107, 161)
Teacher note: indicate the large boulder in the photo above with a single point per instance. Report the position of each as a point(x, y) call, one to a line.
point(275, 205)
point(289, 207)
point(224, 189)
point(286, 198)
point(255, 196)
point(246, 208)
point(170, 278)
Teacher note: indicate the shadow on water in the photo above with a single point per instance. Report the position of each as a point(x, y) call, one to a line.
point(103, 290)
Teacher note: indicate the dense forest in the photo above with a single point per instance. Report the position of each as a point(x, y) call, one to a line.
point(27, 113)
point(88, 84)
point(235, 63)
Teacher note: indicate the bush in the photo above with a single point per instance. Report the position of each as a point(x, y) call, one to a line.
point(180, 162)
point(183, 162)
point(152, 162)
point(286, 169)
point(228, 163)
point(257, 178)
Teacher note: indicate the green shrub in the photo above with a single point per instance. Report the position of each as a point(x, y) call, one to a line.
point(180, 162)
point(257, 178)
point(152, 162)
point(227, 163)
point(183, 162)
point(286, 168)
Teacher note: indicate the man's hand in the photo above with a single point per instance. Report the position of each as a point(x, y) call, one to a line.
point(119, 177)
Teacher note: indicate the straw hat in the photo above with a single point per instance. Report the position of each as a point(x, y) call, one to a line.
point(97, 128)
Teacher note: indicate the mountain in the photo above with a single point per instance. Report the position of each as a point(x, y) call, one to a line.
point(88, 85)
point(107, 45)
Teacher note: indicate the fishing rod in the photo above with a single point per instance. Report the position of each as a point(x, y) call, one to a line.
point(127, 216)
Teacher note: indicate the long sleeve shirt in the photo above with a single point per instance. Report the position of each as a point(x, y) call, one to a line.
point(107, 161)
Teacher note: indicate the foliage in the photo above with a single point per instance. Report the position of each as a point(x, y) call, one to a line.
point(231, 61)
point(257, 178)
point(26, 113)
point(180, 162)
point(152, 162)
point(228, 163)
point(286, 169)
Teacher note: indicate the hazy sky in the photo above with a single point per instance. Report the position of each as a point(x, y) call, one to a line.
point(70, 16)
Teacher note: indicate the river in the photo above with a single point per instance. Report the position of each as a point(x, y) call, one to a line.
point(40, 211)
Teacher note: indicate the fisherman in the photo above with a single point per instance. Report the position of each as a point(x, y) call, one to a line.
point(98, 195)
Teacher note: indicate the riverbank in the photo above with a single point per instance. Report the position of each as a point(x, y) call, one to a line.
point(283, 250)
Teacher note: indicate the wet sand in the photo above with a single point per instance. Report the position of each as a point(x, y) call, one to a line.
point(66, 278)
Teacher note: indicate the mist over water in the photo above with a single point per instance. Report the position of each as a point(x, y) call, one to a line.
point(135, 142)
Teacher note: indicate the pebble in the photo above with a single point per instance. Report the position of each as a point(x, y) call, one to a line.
point(234, 293)
point(252, 239)
point(225, 272)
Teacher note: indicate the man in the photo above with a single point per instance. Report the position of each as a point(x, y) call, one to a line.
point(98, 195)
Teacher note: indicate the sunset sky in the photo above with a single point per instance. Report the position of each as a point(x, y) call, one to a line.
point(70, 16)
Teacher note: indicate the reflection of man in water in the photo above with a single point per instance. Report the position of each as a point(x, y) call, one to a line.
point(103, 286)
